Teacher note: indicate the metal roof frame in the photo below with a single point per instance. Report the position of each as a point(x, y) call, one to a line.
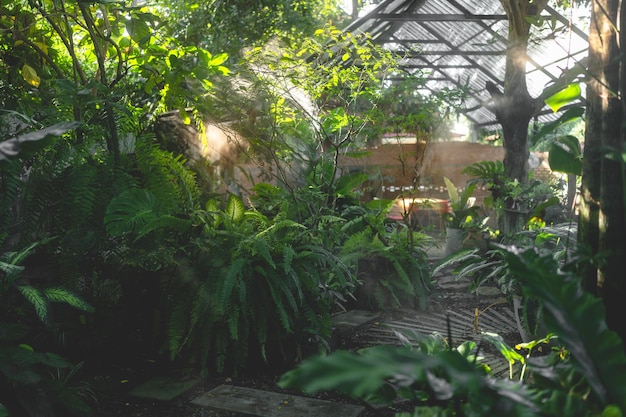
point(463, 42)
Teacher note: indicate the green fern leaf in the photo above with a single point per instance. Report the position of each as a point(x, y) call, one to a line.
point(57, 294)
point(288, 254)
point(37, 299)
point(262, 247)
point(233, 322)
point(176, 329)
point(231, 277)
point(280, 308)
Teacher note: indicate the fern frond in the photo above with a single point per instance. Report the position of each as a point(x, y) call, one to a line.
point(166, 177)
point(233, 322)
point(288, 254)
point(279, 307)
point(262, 247)
point(229, 280)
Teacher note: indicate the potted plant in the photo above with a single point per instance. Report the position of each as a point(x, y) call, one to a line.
point(461, 212)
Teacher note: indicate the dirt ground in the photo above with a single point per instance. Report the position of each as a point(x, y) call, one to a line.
point(116, 402)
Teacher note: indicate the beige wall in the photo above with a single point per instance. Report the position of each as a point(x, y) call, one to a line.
point(396, 167)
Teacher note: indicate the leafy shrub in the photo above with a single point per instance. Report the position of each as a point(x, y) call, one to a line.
point(395, 270)
point(26, 381)
point(256, 282)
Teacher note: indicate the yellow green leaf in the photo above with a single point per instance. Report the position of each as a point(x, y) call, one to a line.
point(564, 97)
point(42, 46)
point(30, 75)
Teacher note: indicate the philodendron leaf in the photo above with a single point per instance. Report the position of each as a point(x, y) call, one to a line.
point(452, 191)
point(235, 209)
point(564, 97)
point(577, 318)
point(569, 115)
point(566, 155)
point(26, 145)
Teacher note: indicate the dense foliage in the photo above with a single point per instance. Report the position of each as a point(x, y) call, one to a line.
point(581, 375)
point(99, 220)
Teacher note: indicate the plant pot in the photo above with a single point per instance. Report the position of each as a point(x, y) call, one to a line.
point(454, 240)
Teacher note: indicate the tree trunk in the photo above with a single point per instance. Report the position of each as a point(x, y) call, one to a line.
point(514, 108)
point(602, 224)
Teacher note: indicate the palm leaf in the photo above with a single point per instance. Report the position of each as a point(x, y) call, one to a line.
point(131, 212)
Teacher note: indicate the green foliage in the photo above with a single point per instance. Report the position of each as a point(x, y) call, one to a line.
point(394, 266)
point(24, 371)
point(462, 211)
point(582, 376)
point(255, 282)
point(578, 319)
point(24, 146)
point(166, 177)
point(196, 23)
point(566, 155)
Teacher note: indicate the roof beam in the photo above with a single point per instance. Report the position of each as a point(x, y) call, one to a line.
point(453, 52)
point(436, 17)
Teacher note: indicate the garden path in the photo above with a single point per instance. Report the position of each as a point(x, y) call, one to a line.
point(453, 312)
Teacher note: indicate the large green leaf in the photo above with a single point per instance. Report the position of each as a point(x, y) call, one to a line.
point(26, 145)
point(564, 97)
point(566, 155)
point(37, 299)
point(577, 318)
point(235, 209)
point(348, 182)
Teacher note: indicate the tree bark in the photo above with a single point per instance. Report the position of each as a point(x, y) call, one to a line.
point(514, 108)
point(602, 224)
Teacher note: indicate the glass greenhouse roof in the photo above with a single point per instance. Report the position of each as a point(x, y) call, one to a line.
point(455, 43)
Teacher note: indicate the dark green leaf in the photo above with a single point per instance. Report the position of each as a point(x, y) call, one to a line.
point(566, 156)
point(130, 212)
point(577, 318)
point(26, 145)
point(58, 294)
point(569, 115)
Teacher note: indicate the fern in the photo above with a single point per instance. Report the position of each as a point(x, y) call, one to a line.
point(231, 276)
point(166, 177)
point(10, 188)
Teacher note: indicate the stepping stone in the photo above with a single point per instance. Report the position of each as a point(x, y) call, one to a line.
point(271, 404)
point(349, 320)
point(489, 291)
point(163, 388)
